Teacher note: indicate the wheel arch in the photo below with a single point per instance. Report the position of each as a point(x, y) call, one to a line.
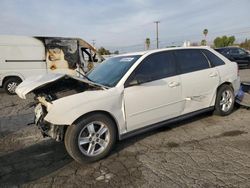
point(11, 76)
point(217, 89)
point(224, 83)
point(108, 114)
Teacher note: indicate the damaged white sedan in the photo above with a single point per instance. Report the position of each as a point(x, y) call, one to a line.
point(129, 94)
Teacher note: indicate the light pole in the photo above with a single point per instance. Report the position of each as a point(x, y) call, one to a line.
point(157, 34)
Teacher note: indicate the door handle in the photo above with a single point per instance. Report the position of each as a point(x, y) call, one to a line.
point(173, 84)
point(214, 74)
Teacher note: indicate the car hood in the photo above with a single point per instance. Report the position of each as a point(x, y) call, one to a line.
point(32, 83)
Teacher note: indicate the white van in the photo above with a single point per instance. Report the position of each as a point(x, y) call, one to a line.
point(22, 57)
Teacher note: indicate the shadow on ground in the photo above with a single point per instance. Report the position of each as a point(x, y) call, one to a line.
point(48, 156)
point(130, 141)
point(32, 163)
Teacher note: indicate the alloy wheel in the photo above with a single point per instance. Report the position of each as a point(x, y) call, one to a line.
point(11, 87)
point(93, 138)
point(226, 100)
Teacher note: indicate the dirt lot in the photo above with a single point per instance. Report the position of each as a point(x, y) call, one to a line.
point(206, 151)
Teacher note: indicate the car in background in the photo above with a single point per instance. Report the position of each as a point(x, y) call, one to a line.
point(129, 94)
point(236, 54)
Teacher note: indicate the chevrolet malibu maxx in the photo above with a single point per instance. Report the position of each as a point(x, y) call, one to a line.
point(129, 94)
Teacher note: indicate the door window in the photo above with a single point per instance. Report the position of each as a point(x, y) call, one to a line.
point(191, 60)
point(214, 60)
point(154, 67)
point(241, 52)
point(234, 51)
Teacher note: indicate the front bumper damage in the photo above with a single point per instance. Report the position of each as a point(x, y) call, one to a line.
point(47, 129)
point(48, 89)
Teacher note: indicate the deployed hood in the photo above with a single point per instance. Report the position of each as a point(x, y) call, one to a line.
point(37, 82)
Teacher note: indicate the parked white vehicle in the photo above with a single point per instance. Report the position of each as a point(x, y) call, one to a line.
point(23, 56)
point(129, 94)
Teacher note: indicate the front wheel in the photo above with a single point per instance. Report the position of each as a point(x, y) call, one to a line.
point(224, 103)
point(91, 138)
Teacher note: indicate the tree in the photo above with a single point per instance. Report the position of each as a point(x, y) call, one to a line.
point(203, 42)
point(147, 42)
point(223, 41)
point(103, 51)
point(205, 32)
point(194, 44)
point(245, 44)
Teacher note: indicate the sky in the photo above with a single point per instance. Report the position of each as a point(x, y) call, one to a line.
point(124, 25)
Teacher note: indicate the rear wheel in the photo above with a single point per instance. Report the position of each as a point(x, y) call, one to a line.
point(91, 138)
point(224, 103)
point(10, 85)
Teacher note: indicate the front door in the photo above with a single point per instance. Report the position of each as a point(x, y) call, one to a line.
point(153, 92)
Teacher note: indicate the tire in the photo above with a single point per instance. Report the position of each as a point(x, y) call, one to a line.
point(84, 144)
point(10, 85)
point(225, 99)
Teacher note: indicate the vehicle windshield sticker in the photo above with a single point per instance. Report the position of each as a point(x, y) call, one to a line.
point(126, 59)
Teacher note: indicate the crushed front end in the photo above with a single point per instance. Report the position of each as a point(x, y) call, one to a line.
point(47, 129)
point(48, 89)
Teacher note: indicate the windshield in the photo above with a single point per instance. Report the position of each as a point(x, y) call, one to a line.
point(109, 72)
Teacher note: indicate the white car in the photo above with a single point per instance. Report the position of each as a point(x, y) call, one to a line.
point(129, 94)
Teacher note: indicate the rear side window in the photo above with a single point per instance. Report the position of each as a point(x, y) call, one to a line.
point(214, 60)
point(154, 67)
point(191, 60)
point(234, 51)
point(221, 50)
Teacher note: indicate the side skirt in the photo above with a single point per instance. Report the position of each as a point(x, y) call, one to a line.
point(163, 123)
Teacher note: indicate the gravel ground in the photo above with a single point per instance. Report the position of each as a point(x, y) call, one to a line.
point(205, 151)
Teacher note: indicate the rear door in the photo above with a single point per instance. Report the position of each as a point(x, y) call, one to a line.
point(158, 96)
point(199, 79)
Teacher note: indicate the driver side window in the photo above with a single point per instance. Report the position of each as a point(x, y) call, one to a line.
point(234, 51)
point(154, 67)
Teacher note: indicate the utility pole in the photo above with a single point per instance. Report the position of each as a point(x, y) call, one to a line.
point(157, 34)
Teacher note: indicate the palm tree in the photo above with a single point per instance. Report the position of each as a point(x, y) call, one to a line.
point(147, 42)
point(204, 42)
point(205, 32)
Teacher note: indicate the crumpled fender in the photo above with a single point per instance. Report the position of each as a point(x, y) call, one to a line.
point(66, 110)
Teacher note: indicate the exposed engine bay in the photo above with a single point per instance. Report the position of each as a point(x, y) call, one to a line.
point(62, 87)
point(49, 92)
